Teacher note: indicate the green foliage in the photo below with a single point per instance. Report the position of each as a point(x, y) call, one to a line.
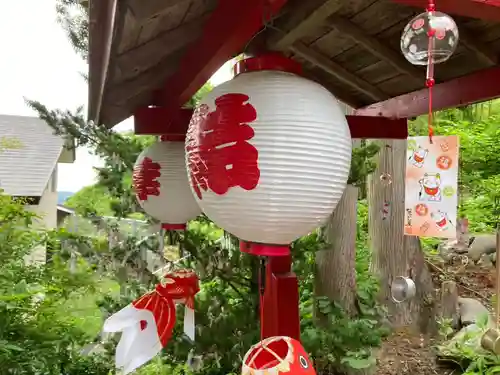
point(362, 163)
point(40, 326)
point(343, 342)
point(465, 350)
point(72, 15)
point(205, 89)
point(92, 200)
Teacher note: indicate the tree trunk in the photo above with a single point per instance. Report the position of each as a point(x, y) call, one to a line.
point(395, 254)
point(336, 265)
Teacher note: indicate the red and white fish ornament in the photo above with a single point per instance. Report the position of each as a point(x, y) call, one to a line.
point(277, 355)
point(148, 322)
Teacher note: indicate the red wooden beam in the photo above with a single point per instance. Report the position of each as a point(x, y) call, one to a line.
point(162, 121)
point(228, 30)
point(368, 127)
point(485, 10)
point(476, 87)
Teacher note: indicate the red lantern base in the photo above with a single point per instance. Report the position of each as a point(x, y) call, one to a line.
point(173, 226)
point(260, 249)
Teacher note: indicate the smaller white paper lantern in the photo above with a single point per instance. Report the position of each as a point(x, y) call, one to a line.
point(268, 154)
point(161, 185)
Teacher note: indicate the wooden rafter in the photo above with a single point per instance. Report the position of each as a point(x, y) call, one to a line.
point(119, 23)
point(468, 8)
point(341, 95)
point(338, 71)
point(485, 54)
point(230, 26)
point(375, 47)
point(306, 19)
point(142, 9)
point(305, 24)
point(120, 92)
point(141, 57)
point(100, 36)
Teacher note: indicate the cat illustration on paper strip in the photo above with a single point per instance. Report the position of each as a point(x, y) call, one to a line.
point(430, 187)
point(441, 220)
point(418, 157)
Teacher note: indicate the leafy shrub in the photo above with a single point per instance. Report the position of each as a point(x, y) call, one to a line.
point(40, 330)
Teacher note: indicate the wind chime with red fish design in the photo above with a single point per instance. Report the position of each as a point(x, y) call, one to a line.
point(428, 39)
point(148, 322)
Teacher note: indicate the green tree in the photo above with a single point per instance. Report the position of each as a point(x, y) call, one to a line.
point(93, 200)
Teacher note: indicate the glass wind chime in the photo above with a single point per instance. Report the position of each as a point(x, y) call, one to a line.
point(429, 38)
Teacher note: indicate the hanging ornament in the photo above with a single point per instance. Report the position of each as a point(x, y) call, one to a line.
point(277, 355)
point(403, 289)
point(429, 38)
point(268, 154)
point(162, 187)
point(386, 210)
point(147, 323)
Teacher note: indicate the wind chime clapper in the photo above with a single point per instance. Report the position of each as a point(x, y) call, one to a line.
point(403, 289)
point(428, 39)
point(491, 338)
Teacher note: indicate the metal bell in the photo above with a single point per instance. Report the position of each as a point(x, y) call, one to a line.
point(403, 289)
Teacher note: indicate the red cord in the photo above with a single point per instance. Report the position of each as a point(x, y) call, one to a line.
point(430, 70)
point(430, 84)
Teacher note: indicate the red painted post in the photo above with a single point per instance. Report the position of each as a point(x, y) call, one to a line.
point(280, 312)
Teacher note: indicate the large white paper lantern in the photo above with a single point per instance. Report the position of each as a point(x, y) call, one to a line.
point(162, 187)
point(268, 154)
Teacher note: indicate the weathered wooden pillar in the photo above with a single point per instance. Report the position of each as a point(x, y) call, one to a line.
point(395, 254)
point(336, 265)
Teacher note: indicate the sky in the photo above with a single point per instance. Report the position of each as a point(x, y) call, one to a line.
point(40, 64)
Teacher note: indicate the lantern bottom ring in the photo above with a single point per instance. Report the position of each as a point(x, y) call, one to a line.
point(173, 226)
point(260, 249)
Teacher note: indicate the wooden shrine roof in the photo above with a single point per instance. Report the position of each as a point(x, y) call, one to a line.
point(350, 46)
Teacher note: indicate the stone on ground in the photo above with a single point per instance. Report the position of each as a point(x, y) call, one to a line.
point(472, 311)
point(482, 244)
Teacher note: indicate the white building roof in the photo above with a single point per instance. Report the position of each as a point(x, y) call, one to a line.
point(29, 152)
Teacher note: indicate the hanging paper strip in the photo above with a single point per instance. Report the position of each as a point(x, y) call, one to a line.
point(147, 323)
point(431, 187)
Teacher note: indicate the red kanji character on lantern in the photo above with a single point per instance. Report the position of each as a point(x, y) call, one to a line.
point(145, 177)
point(219, 155)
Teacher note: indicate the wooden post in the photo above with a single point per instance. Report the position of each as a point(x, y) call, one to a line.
point(395, 254)
point(449, 302)
point(336, 265)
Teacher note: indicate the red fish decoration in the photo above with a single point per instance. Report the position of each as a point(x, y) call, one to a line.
point(147, 323)
point(277, 355)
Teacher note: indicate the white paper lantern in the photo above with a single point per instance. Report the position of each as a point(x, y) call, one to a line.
point(162, 186)
point(268, 153)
